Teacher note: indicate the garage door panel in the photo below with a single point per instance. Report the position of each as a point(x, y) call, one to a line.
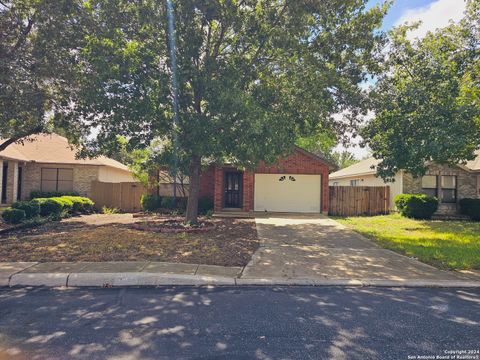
point(287, 193)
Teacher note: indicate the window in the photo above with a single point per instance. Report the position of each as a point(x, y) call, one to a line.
point(449, 189)
point(57, 179)
point(355, 182)
point(429, 185)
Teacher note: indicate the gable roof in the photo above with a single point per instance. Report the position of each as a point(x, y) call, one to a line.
point(317, 156)
point(364, 167)
point(53, 149)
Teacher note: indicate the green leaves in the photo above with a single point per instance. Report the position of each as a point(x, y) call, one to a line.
point(426, 102)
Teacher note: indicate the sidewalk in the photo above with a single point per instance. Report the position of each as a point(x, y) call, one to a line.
point(109, 274)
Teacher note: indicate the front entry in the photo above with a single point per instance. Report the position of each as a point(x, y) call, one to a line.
point(232, 197)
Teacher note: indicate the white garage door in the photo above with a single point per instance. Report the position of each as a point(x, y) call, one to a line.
point(287, 193)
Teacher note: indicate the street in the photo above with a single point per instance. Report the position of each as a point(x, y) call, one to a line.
point(237, 323)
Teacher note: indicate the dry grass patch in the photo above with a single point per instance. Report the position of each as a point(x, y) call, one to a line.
point(231, 243)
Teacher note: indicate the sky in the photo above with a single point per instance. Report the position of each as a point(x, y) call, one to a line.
point(433, 14)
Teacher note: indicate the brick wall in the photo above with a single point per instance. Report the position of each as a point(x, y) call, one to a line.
point(297, 163)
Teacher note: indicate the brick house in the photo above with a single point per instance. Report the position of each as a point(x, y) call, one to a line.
point(296, 183)
point(48, 163)
point(448, 183)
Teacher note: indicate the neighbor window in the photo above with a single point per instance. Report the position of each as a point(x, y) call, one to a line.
point(429, 185)
point(449, 189)
point(355, 182)
point(55, 179)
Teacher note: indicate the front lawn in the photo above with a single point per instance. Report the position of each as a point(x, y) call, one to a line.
point(114, 238)
point(445, 244)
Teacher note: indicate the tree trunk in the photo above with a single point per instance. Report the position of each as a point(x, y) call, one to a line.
point(194, 187)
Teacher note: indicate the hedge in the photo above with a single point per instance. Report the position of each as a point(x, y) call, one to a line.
point(417, 206)
point(151, 202)
point(49, 206)
point(471, 208)
point(82, 205)
point(35, 194)
point(13, 216)
point(64, 204)
point(31, 208)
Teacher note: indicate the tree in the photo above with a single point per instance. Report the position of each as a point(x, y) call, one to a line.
point(427, 100)
point(254, 76)
point(35, 58)
point(344, 159)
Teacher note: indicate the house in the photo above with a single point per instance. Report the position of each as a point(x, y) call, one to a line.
point(448, 183)
point(48, 163)
point(296, 183)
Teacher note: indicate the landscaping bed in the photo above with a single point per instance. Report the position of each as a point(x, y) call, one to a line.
point(444, 244)
point(229, 242)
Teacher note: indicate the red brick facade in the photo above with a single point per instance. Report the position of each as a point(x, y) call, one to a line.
point(300, 162)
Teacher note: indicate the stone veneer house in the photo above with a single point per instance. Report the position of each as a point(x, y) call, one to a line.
point(48, 163)
point(448, 183)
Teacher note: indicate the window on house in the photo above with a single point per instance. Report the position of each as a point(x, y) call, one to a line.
point(449, 189)
point(355, 182)
point(429, 185)
point(55, 179)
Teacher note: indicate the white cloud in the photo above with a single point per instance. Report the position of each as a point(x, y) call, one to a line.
point(433, 16)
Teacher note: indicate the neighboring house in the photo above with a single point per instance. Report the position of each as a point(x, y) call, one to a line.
point(448, 183)
point(48, 163)
point(297, 183)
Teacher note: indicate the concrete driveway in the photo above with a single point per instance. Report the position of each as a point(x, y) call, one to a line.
point(319, 248)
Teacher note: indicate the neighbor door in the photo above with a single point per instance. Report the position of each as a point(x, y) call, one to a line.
point(233, 190)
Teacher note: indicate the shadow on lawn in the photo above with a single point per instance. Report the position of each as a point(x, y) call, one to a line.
point(250, 323)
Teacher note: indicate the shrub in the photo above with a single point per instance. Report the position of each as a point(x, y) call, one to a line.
point(151, 202)
point(471, 208)
point(31, 208)
point(108, 210)
point(205, 205)
point(80, 205)
point(417, 206)
point(49, 206)
point(13, 216)
point(67, 204)
point(169, 203)
point(49, 194)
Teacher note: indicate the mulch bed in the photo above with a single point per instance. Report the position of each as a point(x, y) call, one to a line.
point(174, 226)
point(227, 242)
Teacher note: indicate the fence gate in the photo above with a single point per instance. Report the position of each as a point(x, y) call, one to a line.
point(124, 196)
point(359, 200)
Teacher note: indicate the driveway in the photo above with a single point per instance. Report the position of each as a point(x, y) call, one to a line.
point(319, 248)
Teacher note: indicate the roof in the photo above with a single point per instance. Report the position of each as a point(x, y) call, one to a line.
point(53, 148)
point(317, 156)
point(364, 167)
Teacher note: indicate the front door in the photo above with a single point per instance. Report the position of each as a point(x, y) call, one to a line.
point(233, 189)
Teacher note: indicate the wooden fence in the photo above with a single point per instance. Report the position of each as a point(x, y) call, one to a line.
point(124, 196)
point(359, 200)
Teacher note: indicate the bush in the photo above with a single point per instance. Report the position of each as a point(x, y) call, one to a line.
point(13, 216)
point(80, 205)
point(31, 208)
point(471, 208)
point(169, 203)
point(49, 194)
point(417, 206)
point(151, 202)
point(205, 205)
point(67, 204)
point(49, 206)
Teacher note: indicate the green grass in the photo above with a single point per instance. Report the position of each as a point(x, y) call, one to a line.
point(444, 244)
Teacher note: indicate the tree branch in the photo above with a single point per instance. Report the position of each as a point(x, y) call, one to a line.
point(18, 137)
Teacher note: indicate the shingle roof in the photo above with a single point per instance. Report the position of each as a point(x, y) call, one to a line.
point(364, 167)
point(53, 148)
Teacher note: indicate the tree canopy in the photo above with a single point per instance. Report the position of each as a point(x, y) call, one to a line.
point(35, 57)
point(426, 101)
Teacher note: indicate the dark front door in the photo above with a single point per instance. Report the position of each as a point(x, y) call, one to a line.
point(233, 189)
point(4, 183)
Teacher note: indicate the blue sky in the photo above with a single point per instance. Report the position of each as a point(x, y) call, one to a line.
point(399, 8)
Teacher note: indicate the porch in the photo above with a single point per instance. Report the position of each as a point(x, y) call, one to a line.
point(11, 181)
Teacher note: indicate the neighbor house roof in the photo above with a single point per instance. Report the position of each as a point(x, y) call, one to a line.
point(364, 167)
point(53, 148)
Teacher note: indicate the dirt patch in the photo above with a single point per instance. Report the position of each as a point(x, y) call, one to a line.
point(111, 238)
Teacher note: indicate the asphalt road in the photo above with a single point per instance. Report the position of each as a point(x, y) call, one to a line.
point(237, 323)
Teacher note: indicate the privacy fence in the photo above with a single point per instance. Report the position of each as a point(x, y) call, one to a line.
point(359, 200)
point(125, 196)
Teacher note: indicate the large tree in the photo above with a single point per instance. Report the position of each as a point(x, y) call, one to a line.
point(426, 103)
point(35, 59)
point(254, 75)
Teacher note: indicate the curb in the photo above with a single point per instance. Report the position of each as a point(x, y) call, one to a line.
point(161, 279)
